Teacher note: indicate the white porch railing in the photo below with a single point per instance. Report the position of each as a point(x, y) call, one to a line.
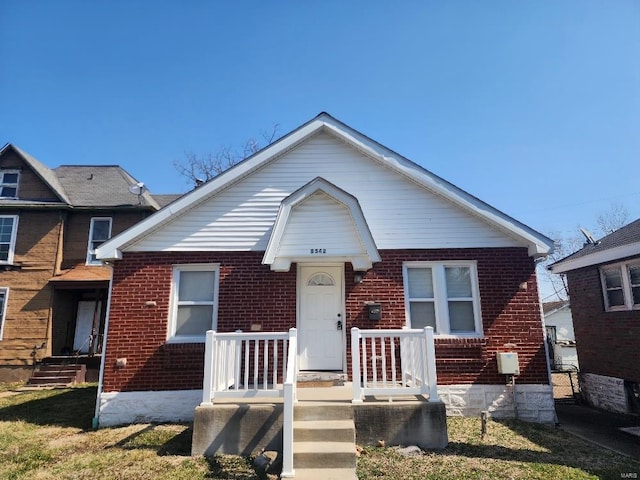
point(248, 365)
point(240, 365)
point(393, 362)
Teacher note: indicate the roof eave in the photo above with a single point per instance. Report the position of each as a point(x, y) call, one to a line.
point(597, 258)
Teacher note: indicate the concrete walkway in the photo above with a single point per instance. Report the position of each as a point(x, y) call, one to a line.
point(602, 428)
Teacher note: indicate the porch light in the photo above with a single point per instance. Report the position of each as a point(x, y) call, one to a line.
point(358, 277)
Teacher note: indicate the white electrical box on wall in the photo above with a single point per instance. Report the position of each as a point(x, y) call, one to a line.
point(508, 363)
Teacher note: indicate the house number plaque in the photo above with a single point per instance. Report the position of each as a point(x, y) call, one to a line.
point(316, 251)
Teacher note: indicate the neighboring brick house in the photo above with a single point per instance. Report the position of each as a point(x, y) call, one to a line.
point(53, 291)
point(604, 290)
point(324, 206)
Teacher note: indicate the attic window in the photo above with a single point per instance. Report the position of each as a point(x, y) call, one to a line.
point(9, 183)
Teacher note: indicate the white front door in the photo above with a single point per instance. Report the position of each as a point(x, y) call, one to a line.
point(321, 318)
point(84, 325)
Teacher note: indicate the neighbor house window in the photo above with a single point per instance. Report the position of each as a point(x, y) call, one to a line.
point(99, 232)
point(443, 295)
point(8, 229)
point(9, 183)
point(4, 295)
point(194, 308)
point(621, 286)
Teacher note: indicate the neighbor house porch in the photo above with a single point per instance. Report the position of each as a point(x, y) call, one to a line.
point(254, 398)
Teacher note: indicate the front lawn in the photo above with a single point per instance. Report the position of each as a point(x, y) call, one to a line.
point(47, 435)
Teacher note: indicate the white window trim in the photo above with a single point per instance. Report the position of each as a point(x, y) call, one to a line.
point(90, 241)
point(627, 293)
point(440, 295)
point(173, 311)
point(17, 184)
point(3, 312)
point(12, 244)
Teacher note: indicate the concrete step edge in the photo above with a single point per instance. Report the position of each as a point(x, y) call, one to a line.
point(323, 424)
point(326, 474)
point(324, 447)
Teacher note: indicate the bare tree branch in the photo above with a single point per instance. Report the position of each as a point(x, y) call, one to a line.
point(202, 168)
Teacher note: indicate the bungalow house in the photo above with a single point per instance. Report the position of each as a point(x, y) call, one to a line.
point(329, 232)
point(53, 290)
point(604, 289)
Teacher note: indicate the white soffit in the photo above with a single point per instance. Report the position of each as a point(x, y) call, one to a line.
point(362, 258)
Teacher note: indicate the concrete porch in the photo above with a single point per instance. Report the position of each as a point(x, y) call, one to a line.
point(327, 426)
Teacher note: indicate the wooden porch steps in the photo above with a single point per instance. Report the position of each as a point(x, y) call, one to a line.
point(324, 442)
point(58, 374)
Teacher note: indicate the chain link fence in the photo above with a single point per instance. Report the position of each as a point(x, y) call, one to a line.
point(566, 387)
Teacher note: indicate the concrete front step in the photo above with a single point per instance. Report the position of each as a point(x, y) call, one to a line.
point(324, 455)
point(324, 431)
point(52, 374)
point(326, 474)
point(57, 380)
point(322, 411)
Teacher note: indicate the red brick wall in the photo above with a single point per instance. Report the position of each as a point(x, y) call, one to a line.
point(607, 342)
point(251, 293)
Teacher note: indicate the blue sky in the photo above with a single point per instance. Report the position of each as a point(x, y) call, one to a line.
point(532, 106)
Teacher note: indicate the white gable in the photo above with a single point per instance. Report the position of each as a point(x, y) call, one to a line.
point(320, 221)
point(403, 205)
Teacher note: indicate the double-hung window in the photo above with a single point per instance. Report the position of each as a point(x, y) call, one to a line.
point(194, 308)
point(8, 230)
point(443, 295)
point(4, 295)
point(99, 232)
point(9, 183)
point(621, 286)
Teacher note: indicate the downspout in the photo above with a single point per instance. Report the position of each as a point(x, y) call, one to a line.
point(95, 422)
point(62, 217)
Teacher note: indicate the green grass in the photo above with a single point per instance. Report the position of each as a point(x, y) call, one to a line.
point(47, 435)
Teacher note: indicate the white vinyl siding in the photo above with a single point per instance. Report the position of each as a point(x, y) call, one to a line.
point(8, 233)
point(621, 286)
point(443, 295)
point(194, 302)
point(99, 232)
point(399, 213)
point(323, 224)
point(4, 297)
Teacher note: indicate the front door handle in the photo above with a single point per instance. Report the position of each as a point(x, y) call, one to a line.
point(339, 325)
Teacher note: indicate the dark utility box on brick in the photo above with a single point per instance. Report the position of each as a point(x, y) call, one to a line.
point(375, 311)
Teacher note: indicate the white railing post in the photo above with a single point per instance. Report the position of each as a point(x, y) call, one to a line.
point(355, 365)
point(289, 388)
point(207, 382)
point(431, 364)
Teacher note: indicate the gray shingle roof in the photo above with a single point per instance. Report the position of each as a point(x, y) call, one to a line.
point(623, 236)
point(44, 172)
point(101, 186)
point(621, 244)
point(165, 199)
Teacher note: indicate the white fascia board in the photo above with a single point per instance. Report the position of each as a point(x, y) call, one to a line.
point(539, 245)
point(596, 258)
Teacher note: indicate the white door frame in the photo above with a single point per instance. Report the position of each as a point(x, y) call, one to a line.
point(342, 301)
